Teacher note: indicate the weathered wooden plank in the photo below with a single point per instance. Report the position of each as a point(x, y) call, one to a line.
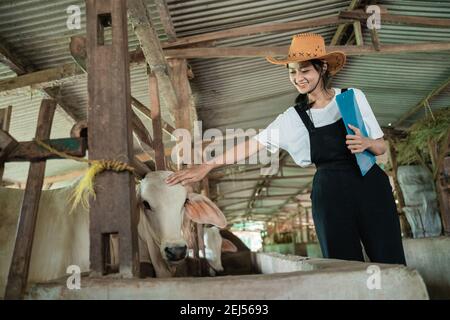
point(387, 18)
point(114, 210)
point(375, 39)
point(342, 28)
point(166, 20)
point(235, 52)
point(10, 60)
point(30, 151)
point(358, 33)
point(5, 121)
point(156, 121)
point(151, 47)
point(7, 145)
point(40, 79)
point(141, 131)
point(142, 108)
point(256, 29)
point(18, 272)
point(182, 112)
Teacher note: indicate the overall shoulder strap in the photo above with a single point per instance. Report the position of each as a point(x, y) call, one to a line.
point(305, 119)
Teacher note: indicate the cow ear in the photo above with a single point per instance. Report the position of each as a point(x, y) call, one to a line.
point(228, 246)
point(202, 210)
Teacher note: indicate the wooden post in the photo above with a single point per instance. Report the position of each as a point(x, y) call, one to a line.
point(393, 160)
point(441, 162)
point(109, 121)
point(406, 228)
point(158, 145)
point(308, 237)
point(5, 121)
point(20, 263)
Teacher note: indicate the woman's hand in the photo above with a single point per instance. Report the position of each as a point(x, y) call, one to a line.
point(357, 143)
point(189, 175)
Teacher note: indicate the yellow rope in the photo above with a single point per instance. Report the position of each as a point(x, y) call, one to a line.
point(85, 187)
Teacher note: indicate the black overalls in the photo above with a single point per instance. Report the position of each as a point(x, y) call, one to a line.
point(349, 208)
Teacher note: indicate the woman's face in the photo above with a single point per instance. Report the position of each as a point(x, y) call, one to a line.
point(303, 76)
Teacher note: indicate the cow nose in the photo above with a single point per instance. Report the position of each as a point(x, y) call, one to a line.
point(175, 253)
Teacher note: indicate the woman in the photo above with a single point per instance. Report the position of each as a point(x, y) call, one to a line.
point(348, 208)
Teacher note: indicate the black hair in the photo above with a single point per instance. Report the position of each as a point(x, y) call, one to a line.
point(302, 99)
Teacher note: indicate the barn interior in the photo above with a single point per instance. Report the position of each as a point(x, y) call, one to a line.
point(117, 80)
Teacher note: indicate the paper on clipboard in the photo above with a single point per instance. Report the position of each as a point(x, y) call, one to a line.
point(351, 114)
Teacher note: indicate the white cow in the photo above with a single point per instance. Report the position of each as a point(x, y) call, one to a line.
point(61, 240)
point(214, 246)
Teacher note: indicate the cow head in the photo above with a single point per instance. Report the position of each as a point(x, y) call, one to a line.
point(166, 207)
point(214, 246)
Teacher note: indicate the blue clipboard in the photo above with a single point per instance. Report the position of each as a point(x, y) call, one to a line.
point(351, 114)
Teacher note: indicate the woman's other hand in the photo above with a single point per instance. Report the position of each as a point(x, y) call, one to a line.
point(189, 175)
point(357, 143)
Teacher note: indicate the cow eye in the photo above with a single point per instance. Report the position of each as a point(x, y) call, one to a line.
point(146, 205)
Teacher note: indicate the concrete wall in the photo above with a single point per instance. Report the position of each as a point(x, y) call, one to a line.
point(431, 257)
point(300, 278)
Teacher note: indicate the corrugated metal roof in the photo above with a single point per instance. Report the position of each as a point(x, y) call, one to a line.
point(238, 92)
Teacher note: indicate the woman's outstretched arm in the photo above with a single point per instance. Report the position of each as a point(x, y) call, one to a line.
point(198, 172)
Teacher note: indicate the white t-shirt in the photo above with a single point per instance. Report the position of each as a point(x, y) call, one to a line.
point(288, 132)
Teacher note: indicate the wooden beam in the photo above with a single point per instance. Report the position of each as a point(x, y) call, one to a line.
point(113, 211)
point(387, 18)
point(147, 112)
point(8, 58)
point(31, 151)
point(419, 106)
point(20, 263)
point(179, 79)
point(5, 122)
point(236, 52)
point(375, 39)
point(166, 20)
point(156, 121)
point(151, 47)
point(59, 75)
point(7, 145)
point(342, 28)
point(358, 33)
point(21, 68)
point(141, 131)
point(256, 30)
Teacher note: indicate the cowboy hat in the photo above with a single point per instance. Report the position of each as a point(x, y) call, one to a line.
point(309, 46)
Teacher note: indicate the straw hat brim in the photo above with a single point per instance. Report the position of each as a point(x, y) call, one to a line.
point(335, 60)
